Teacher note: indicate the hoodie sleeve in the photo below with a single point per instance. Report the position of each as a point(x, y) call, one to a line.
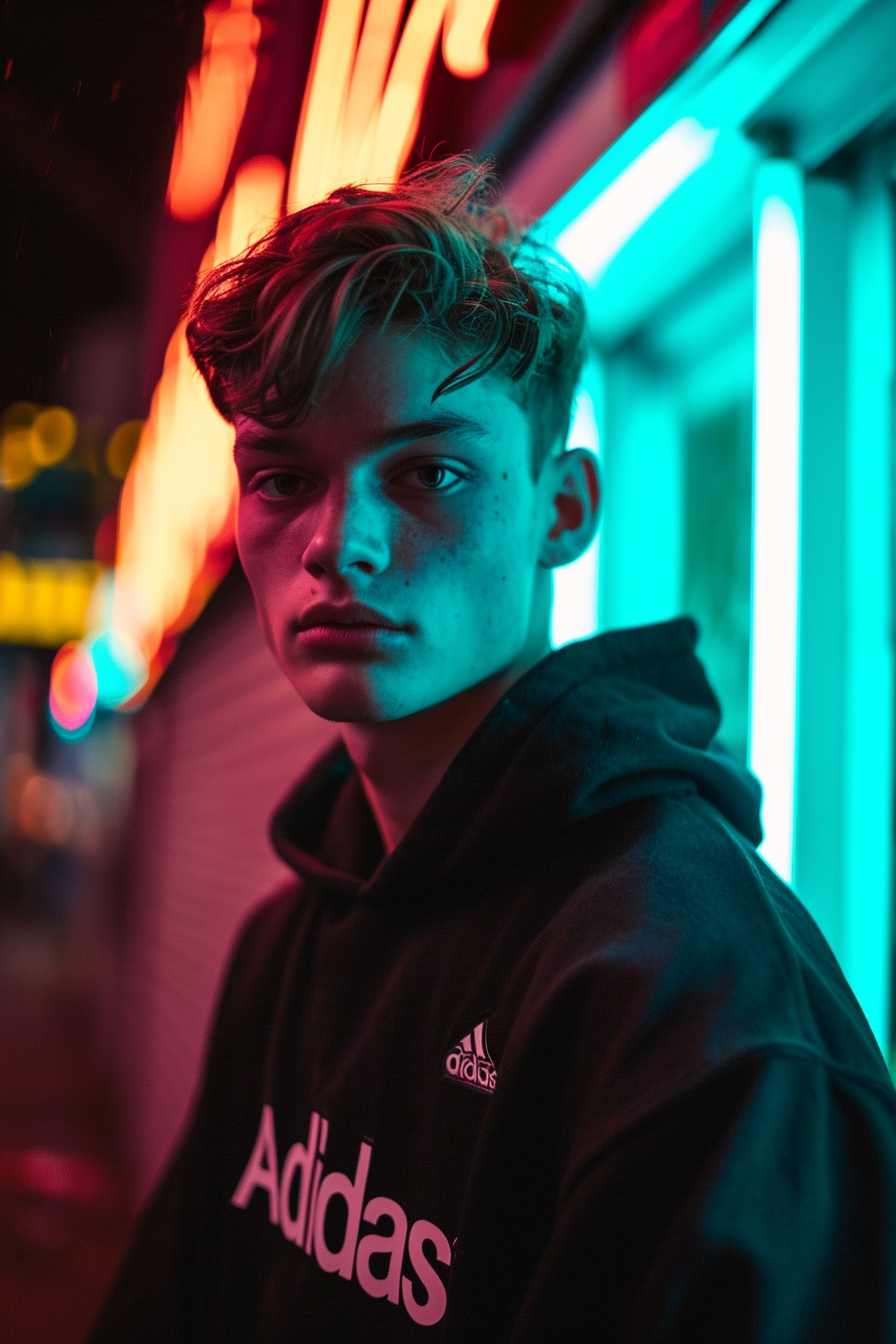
point(758, 1209)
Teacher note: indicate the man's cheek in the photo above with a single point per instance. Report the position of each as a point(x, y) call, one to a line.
point(268, 579)
point(264, 545)
point(247, 534)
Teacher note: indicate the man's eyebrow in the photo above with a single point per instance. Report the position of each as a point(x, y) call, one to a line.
point(258, 439)
point(449, 422)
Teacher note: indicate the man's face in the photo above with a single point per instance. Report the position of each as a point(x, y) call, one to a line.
point(392, 542)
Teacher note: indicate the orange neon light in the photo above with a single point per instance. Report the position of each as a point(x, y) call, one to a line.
point(315, 163)
point(364, 95)
point(465, 36)
point(369, 75)
point(403, 96)
point(214, 105)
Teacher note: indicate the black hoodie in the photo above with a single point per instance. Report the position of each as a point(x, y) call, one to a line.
point(569, 1064)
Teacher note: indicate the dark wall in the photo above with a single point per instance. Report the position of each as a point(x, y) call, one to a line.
point(219, 744)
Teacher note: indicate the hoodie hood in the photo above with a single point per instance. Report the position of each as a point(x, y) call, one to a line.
point(627, 715)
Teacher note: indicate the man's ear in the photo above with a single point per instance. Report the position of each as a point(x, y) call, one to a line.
point(572, 482)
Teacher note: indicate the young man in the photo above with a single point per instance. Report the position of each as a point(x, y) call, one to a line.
point(536, 1047)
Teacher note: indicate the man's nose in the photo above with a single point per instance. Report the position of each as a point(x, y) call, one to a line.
point(349, 535)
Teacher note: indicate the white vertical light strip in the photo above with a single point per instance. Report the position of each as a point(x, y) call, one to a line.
point(574, 610)
point(776, 503)
point(868, 737)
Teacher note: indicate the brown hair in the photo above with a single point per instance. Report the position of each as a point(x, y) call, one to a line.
point(435, 254)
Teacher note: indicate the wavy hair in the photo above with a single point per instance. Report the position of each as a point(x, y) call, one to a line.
point(435, 254)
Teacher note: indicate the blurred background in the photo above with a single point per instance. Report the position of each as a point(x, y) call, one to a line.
point(722, 175)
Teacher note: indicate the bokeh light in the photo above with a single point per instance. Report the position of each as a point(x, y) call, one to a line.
point(52, 437)
point(45, 602)
point(17, 466)
point(119, 666)
point(73, 691)
point(33, 437)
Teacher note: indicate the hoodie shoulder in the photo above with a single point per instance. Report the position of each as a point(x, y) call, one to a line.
point(753, 947)
point(678, 953)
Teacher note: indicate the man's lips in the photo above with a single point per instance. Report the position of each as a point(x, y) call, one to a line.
point(350, 626)
point(346, 615)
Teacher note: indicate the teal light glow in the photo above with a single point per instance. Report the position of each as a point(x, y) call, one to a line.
point(776, 491)
point(603, 228)
point(120, 667)
point(641, 545)
point(574, 610)
point(869, 727)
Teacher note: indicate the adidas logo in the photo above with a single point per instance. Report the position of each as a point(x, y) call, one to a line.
point(470, 1063)
point(299, 1197)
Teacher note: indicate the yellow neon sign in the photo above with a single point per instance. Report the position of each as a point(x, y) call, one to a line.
point(45, 602)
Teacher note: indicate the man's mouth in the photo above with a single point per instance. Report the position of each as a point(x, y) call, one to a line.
point(349, 627)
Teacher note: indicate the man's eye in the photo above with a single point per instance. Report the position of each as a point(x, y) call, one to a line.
point(432, 476)
point(280, 486)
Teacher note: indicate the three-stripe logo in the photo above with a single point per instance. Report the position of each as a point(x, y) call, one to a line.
point(469, 1062)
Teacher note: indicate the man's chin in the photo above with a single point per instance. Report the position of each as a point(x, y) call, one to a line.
point(338, 695)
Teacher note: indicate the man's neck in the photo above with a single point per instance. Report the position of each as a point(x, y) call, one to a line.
point(401, 762)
